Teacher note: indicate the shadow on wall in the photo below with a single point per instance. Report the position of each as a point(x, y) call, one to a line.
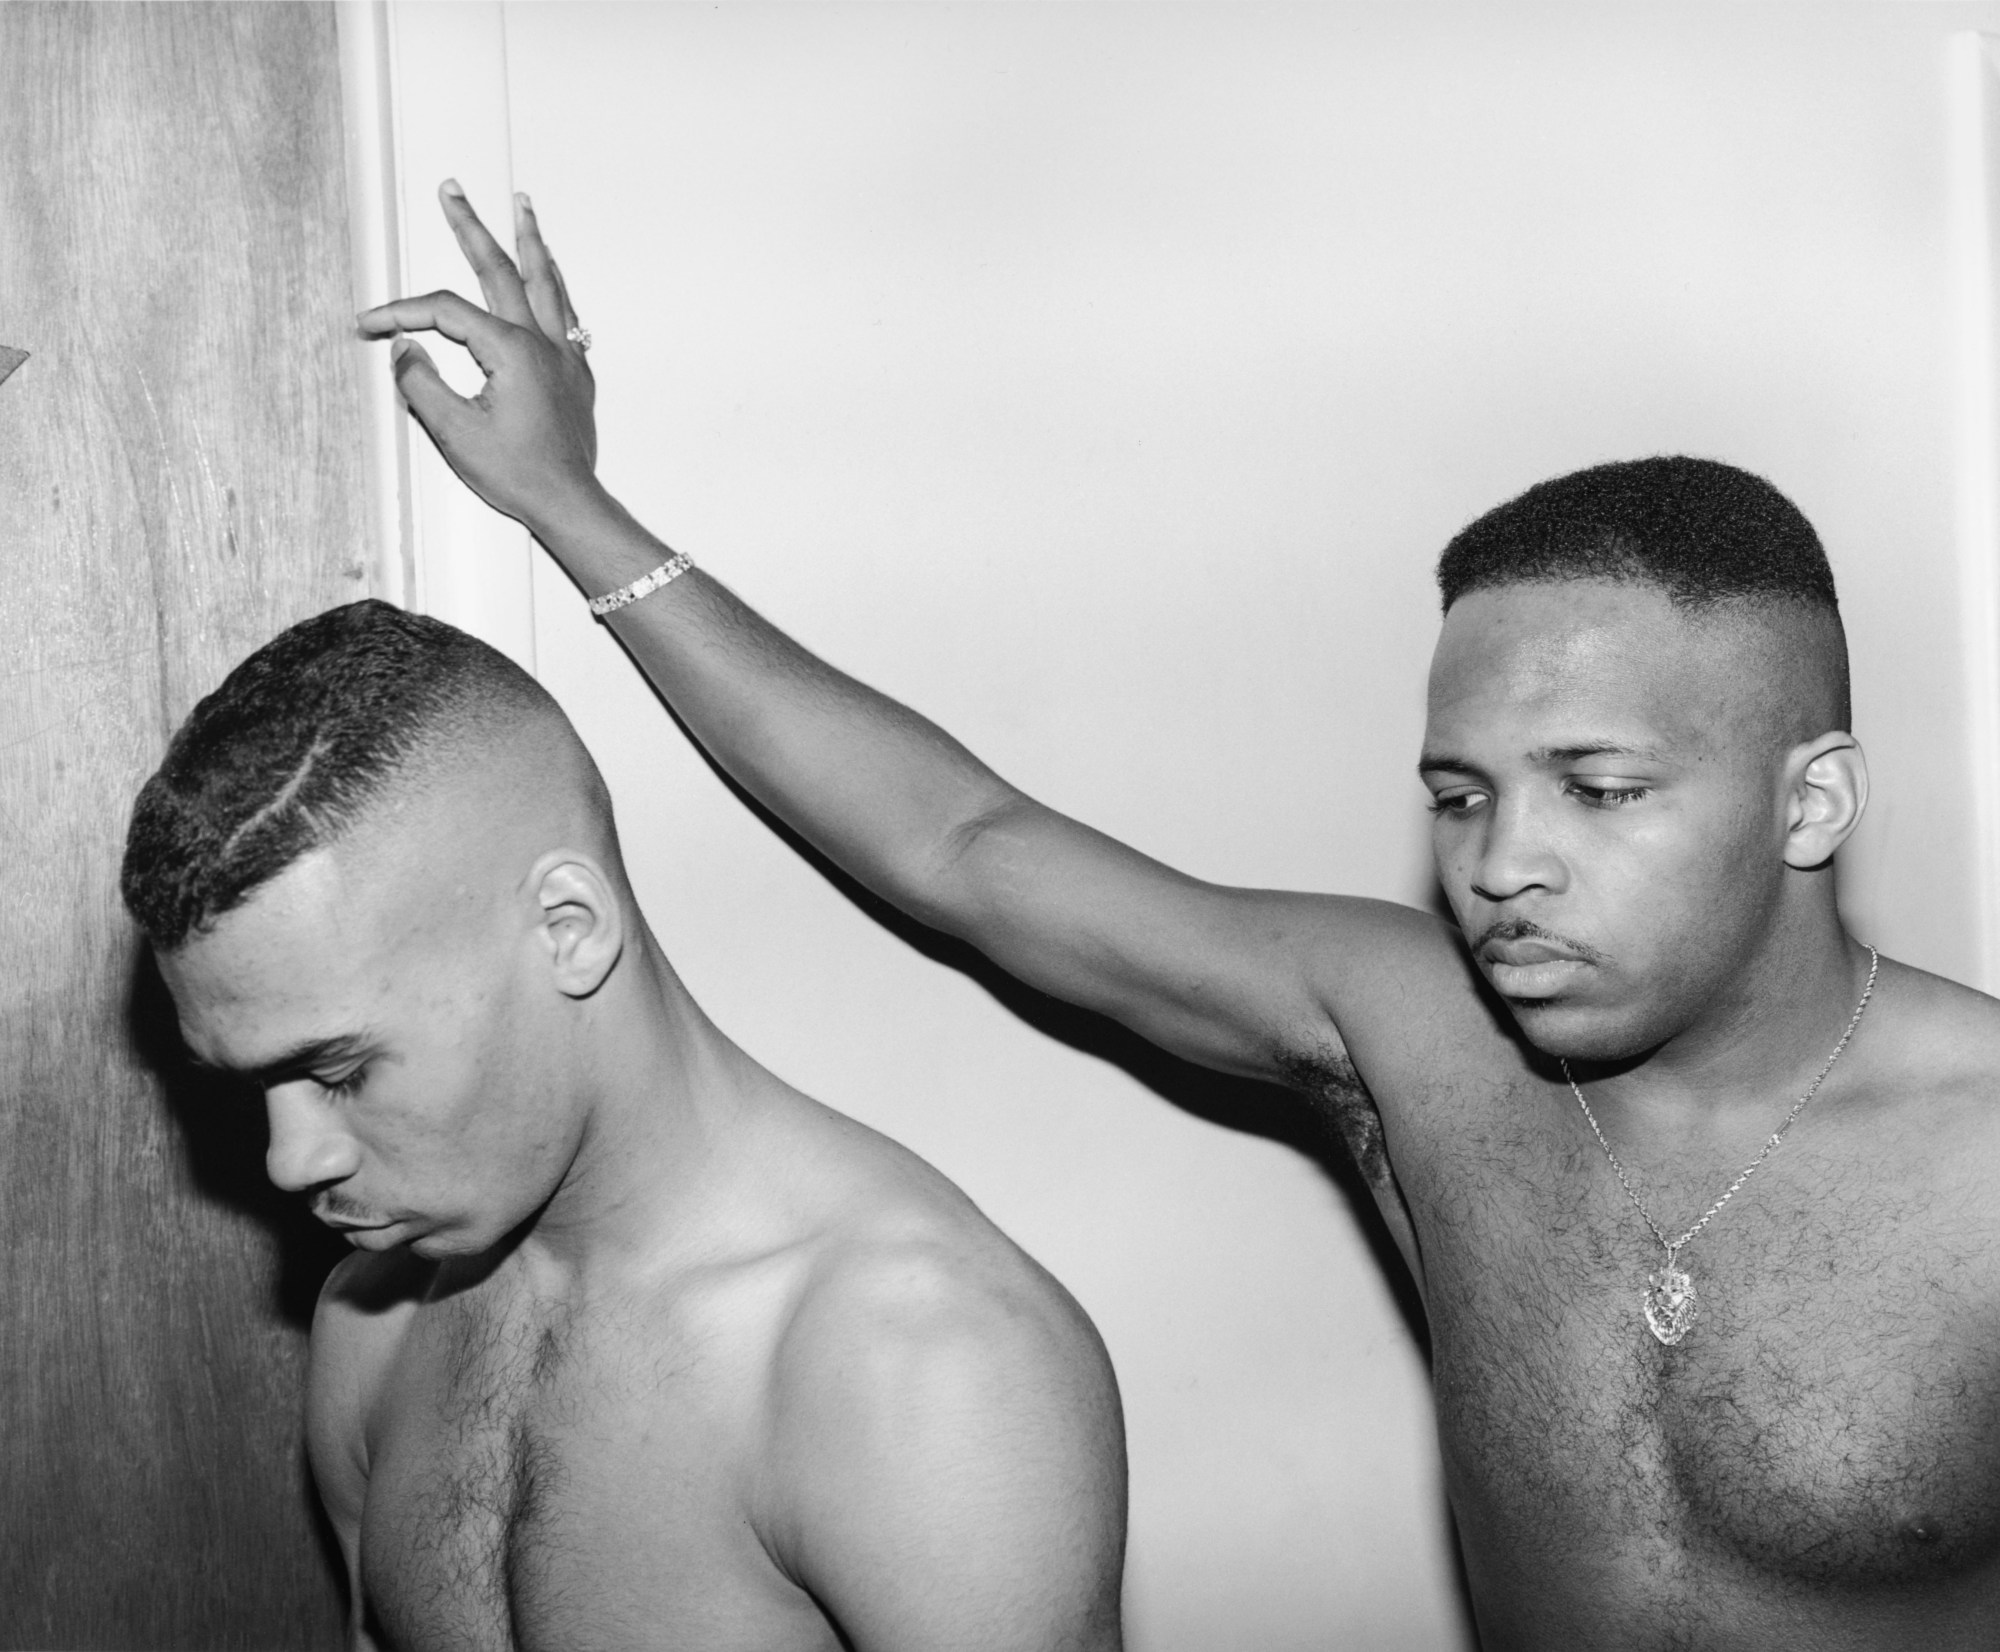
point(223, 1133)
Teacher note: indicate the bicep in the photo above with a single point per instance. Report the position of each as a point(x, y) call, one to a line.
point(1236, 979)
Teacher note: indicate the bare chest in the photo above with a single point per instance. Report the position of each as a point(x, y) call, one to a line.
point(537, 1483)
point(1831, 1423)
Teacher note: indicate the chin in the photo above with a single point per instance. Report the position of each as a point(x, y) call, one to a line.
point(1580, 1032)
point(457, 1241)
point(441, 1244)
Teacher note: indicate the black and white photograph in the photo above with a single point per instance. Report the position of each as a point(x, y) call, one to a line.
point(1000, 826)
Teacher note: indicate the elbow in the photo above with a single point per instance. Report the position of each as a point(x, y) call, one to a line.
point(966, 868)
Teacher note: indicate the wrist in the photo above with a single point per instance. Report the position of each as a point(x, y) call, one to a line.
point(637, 590)
point(597, 542)
point(573, 513)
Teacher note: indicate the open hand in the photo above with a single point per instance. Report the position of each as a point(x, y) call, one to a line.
point(527, 443)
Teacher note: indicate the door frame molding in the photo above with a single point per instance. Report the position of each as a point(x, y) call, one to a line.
point(425, 95)
point(1974, 110)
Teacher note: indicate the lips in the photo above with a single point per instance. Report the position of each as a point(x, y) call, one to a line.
point(1532, 968)
point(326, 1214)
point(368, 1235)
point(1528, 950)
point(1533, 982)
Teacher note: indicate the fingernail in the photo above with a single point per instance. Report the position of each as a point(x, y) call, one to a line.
point(399, 349)
point(451, 187)
point(521, 200)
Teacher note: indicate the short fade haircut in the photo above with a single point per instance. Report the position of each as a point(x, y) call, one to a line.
point(293, 748)
point(1702, 532)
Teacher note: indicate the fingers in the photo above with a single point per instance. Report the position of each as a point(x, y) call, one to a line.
point(446, 313)
point(562, 295)
point(548, 293)
point(433, 401)
point(499, 281)
point(538, 272)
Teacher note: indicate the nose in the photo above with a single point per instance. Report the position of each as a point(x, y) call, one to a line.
point(1516, 852)
point(308, 1148)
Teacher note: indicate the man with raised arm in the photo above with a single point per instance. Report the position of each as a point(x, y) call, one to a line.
point(1699, 1192)
point(642, 1348)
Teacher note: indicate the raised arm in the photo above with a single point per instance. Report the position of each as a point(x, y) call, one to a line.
point(1238, 979)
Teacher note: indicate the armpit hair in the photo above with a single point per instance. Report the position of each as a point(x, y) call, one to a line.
point(1328, 1079)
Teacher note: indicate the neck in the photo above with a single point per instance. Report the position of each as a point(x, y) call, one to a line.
point(668, 1094)
point(1768, 1027)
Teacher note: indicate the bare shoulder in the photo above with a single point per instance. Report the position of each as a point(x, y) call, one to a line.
point(917, 1302)
point(365, 1308)
point(1382, 973)
point(1941, 1036)
point(945, 1449)
point(939, 1299)
point(1398, 1008)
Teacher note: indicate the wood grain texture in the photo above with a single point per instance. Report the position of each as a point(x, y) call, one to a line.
point(179, 479)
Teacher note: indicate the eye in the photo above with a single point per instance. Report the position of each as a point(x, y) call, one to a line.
point(1599, 796)
point(345, 1085)
point(1457, 803)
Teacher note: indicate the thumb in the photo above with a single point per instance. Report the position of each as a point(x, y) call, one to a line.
point(433, 401)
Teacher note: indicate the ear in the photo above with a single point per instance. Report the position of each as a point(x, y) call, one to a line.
point(1826, 788)
point(582, 923)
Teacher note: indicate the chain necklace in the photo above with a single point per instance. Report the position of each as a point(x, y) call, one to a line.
point(1669, 1298)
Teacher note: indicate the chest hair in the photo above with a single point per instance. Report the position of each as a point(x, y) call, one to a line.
point(1833, 1420)
point(474, 1553)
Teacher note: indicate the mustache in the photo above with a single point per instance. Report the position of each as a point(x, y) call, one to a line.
point(333, 1204)
point(1524, 929)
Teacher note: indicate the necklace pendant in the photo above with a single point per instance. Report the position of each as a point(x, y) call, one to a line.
point(1670, 1304)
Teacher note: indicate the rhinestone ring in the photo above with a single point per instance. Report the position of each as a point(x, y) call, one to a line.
point(579, 335)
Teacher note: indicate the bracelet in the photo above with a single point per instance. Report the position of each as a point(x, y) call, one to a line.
point(644, 586)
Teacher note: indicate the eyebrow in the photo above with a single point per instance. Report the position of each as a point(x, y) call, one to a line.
point(311, 1052)
point(1541, 756)
point(1444, 760)
point(1593, 748)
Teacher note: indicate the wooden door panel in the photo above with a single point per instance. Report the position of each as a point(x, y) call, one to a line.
point(179, 478)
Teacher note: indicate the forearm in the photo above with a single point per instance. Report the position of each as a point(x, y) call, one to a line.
point(881, 791)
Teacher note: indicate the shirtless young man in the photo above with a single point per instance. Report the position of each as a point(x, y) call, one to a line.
point(643, 1348)
point(1637, 752)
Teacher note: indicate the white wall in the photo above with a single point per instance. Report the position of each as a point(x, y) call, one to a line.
point(1104, 382)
